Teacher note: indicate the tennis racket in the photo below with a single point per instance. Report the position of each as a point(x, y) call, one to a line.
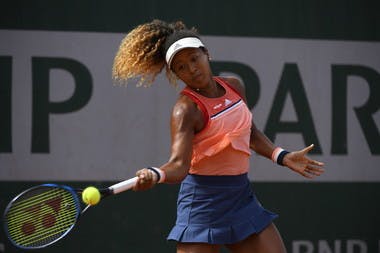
point(44, 214)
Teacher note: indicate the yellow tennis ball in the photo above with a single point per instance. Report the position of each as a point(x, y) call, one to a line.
point(91, 196)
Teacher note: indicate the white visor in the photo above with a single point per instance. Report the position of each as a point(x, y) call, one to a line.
point(174, 48)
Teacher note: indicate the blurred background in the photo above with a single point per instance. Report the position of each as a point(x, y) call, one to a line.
point(312, 75)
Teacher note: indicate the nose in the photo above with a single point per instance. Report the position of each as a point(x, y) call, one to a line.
point(193, 68)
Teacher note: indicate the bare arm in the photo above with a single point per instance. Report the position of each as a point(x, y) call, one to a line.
point(186, 120)
point(296, 160)
point(260, 143)
point(183, 126)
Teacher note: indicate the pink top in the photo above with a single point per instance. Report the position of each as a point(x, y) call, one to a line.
point(222, 146)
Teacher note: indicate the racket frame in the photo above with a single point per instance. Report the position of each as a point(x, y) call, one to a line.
point(111, 190)
point(73, 193)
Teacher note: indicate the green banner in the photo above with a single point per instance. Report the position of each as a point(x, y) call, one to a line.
point(323, 218)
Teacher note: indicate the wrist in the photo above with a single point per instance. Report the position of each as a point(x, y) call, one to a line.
point(278, 155)
point(160, 175)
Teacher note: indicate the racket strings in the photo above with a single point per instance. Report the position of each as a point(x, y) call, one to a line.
point(41, 216)
point(21, 235)
point(36, 196)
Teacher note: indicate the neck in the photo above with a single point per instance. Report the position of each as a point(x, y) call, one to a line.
point(212, 90)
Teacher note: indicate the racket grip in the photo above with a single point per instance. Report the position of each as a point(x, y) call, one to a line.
point(123, 186)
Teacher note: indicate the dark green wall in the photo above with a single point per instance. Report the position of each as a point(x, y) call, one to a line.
point(139, 222)
point(338, 19)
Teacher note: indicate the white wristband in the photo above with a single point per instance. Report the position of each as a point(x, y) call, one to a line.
point(161, 175)
point(276, 152)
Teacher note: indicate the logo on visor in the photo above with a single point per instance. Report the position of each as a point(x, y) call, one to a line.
point(176, 46)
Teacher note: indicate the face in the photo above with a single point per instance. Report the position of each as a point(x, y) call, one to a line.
point(192, 66)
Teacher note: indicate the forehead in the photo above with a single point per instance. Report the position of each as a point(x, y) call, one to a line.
point(184, 54)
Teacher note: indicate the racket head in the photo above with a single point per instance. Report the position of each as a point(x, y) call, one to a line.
point(41, 215)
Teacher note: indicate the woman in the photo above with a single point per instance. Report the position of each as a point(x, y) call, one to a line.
point(212, 133)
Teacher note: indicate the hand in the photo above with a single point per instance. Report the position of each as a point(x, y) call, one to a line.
point(300, 163)
point(146, 180)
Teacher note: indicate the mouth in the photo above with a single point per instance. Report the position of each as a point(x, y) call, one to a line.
point(197, 76)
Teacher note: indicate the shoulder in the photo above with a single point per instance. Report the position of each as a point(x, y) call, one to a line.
point(187, 114)
point(237, 84)
point(184, 105)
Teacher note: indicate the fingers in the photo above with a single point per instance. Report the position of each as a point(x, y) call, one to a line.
point(311, 171)
point(315, 171)
point(144, 176)
point(317, 163)
point(313, 167)
point(146, 180)
point(307, 149)
point(300, 163)
point(307, 175)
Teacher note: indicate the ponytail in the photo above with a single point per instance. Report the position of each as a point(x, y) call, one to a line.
point(141, 53)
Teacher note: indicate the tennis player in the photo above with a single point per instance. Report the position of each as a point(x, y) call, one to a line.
point(212, 136)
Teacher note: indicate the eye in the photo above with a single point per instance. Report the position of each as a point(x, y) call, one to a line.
point(194, 58)
point(180, 67)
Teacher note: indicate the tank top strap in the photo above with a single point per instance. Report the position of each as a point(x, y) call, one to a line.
point(213, 106)
point(225, 83)
point(189, 93)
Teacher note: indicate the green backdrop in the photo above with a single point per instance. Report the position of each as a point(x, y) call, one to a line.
point(321, 217)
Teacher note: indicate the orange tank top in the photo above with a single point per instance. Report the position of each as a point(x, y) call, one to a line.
point(222, 146)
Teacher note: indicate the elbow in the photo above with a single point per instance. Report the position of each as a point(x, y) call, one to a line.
point(181, 174)
point(252, 143)
point(177, 172)
point(253, 138)
point(252, 146)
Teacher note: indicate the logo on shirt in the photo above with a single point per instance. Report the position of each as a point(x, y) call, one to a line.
point(217, 106)
point(226, 103)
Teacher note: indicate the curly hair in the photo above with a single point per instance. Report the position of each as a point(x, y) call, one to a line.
point(142, 52)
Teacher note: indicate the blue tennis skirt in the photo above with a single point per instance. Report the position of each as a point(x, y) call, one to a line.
point(218, 210)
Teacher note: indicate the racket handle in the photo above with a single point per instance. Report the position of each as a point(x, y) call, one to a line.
point(123, 186)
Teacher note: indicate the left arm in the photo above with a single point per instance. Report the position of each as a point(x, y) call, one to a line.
point(296, 160)
point(260, 143)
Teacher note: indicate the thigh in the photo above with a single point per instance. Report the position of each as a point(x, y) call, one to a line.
point(268, 241)
point(197, 248)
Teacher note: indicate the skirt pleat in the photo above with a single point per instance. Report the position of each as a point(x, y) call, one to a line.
point(218, 210)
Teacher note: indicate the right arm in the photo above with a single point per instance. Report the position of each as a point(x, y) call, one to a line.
point(186, 120)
